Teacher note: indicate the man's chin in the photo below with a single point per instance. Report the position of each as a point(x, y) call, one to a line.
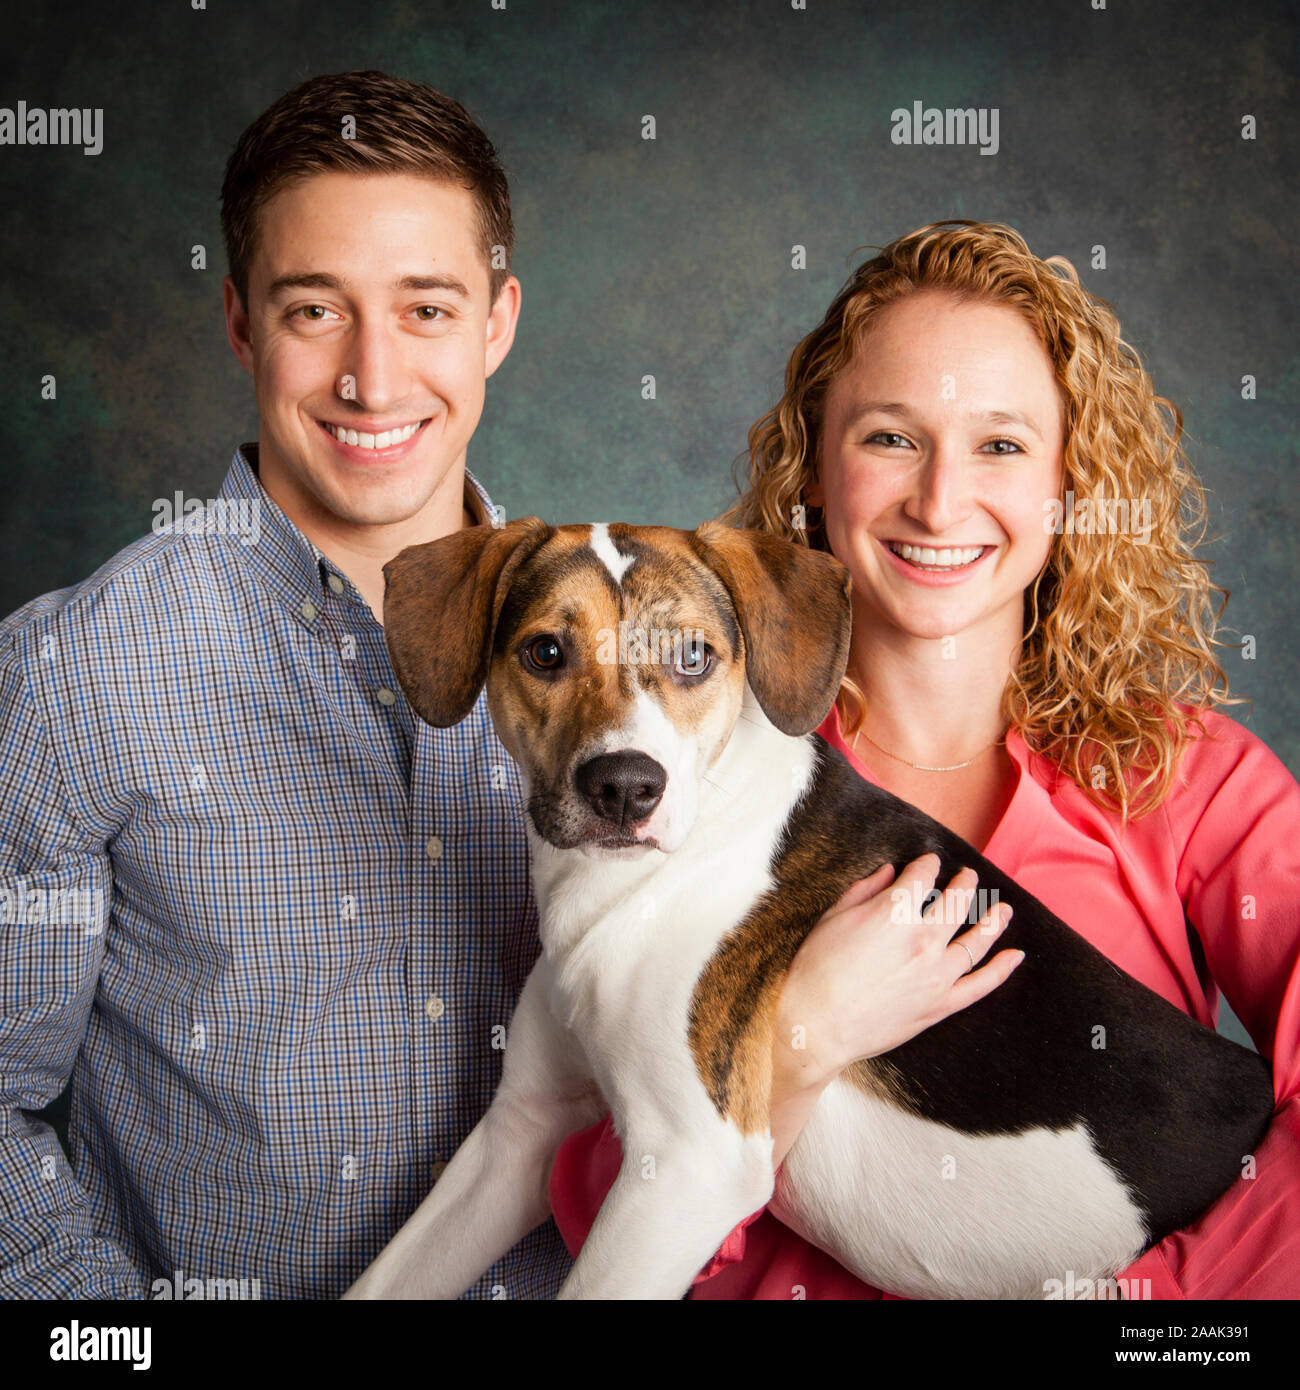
point(356, 498)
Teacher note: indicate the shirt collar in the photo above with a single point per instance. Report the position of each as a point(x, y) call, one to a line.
point(289, 564)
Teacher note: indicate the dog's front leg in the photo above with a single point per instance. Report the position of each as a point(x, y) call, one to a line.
point(672, 1205)
point(494, 1191)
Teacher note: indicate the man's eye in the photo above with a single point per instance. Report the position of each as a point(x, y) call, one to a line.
point(312, 313)
point(426, 312)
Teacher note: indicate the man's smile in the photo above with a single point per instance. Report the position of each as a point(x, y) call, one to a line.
point(375, 442)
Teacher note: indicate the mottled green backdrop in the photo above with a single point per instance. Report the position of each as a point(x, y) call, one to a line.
point(1119, 127)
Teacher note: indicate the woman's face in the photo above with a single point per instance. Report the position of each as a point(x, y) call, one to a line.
point(945, 433)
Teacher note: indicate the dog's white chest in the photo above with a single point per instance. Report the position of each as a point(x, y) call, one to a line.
point(626, 964)
point(629, 938)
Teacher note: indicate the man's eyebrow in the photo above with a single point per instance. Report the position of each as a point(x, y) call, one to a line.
point(994, 417)
point(322, 280)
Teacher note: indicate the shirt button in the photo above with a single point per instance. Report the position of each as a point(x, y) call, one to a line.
point(438, 1169)
point(433, 847)
point(308, 610)
point(385, 696)
point(434, 1007)
point(335, 583)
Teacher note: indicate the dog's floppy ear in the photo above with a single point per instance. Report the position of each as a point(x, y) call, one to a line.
point(441, 604)
point(795, 616)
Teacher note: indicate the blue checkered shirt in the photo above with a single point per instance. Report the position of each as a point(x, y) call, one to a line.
point(278, 923)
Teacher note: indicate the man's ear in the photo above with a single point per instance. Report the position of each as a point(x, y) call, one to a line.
point(503, 319)
point(238, 330)
point(795, 616)
point(441, 604)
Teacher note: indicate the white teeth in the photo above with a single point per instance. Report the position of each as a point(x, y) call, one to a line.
point(928, 558)
point(373, 441)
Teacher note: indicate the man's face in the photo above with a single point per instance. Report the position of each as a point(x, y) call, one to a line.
point(368, 311)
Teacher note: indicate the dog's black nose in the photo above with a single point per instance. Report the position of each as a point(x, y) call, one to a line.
point(622, 787)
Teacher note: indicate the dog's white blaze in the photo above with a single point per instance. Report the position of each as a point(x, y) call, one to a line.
point(605, 549)
point(866, 1182)
point(650, 731)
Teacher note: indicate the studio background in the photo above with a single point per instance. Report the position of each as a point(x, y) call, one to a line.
point(1119, 128)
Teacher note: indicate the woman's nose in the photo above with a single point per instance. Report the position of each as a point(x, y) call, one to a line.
point(943, 492)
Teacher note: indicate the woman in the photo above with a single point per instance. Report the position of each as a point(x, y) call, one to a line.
point(1032, 665)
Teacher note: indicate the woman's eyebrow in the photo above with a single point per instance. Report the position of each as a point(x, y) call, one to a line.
point(994, 417)
point(1007, 417)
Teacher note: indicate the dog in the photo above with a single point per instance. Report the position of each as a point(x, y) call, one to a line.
point(687, 829)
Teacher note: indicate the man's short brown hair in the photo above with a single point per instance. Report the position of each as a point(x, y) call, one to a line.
point(400, 127)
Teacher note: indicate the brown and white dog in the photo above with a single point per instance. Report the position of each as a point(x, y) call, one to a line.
point(687, 830)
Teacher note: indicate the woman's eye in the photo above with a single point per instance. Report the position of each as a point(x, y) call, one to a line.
point(545, 653)
point(887, 437)
point(1010, 443)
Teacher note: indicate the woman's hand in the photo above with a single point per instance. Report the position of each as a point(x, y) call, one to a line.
point(873, 973)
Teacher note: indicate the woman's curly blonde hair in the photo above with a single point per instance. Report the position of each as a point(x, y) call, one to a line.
point(1116, 662)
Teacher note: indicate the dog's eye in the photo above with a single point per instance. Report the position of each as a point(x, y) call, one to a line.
point(695, 660)
point(544, 653)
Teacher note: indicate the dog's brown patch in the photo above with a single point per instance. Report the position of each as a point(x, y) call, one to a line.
point(733, 1008)
point(566, 590)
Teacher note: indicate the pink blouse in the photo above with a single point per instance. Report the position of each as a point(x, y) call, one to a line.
point(1224, 847)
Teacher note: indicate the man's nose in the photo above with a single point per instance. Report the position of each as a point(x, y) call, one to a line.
point(375, 374)
point(623, 788)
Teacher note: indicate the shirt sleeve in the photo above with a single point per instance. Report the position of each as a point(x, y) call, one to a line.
point(1237, 815)
point(55, 885)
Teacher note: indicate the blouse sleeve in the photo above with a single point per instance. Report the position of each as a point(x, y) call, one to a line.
point(1236, 814)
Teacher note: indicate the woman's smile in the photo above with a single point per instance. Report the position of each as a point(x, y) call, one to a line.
point(937, 566)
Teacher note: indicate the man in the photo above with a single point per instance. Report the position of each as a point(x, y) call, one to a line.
point(278, 923)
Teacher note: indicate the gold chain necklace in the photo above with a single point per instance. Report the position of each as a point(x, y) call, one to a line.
point(921, 767)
